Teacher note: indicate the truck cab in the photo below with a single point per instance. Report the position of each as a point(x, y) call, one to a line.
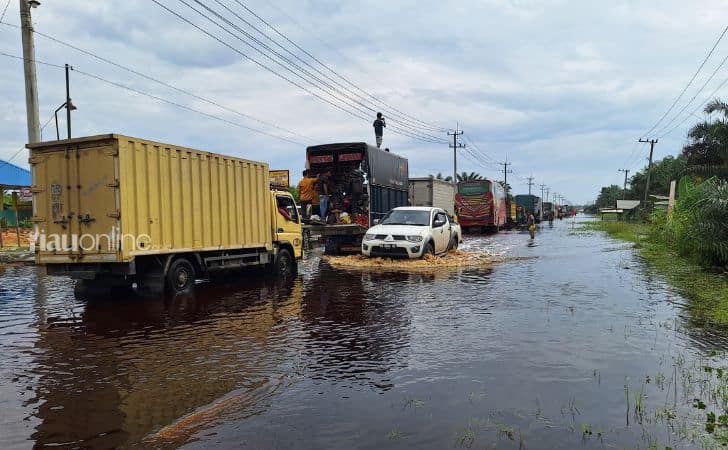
point(287, 222)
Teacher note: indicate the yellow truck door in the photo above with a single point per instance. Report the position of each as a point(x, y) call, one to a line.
point(288, 222)
point(76, 195)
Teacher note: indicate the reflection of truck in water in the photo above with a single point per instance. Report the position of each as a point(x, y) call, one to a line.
point(481, 204)
point(526, 204)
point(432, 192)
point(366, 183)
point(112, 210)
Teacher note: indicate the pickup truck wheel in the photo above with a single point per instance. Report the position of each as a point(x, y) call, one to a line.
point(453, 244)
point(180, 276)
point(429, 249)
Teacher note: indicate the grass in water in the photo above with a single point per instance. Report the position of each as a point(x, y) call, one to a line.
point(707, 291)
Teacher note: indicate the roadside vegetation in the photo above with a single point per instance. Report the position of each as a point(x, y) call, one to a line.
point(689, 245)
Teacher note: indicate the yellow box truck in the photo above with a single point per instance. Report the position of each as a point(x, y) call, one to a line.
point(116, 209)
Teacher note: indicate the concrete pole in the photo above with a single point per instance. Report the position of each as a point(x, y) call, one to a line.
point(31, 83)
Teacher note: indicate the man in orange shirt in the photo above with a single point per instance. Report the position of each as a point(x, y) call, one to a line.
point(307, 192)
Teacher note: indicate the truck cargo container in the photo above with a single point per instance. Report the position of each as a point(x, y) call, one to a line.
point(481, 204)
point(526, 204)
point(113, 209)
point(367, 182)
point(432, 192)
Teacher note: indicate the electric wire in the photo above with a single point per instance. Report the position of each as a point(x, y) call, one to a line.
point(5, 10)
point(424, 124)
point(715, 72)
point(279, 75)
point(348, 100)
point(690, 82)
point(712, 94)
point(160, 99)
point(163, 83)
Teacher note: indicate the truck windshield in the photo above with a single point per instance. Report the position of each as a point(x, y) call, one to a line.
point(407, 217)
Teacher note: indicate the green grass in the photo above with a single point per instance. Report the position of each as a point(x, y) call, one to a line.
point(706, 291)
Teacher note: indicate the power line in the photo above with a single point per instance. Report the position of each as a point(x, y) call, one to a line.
point(2, 16)
point(413, 120)
point(161, 99)
point(163, 83)
point(353, 103)
point(689, 83)
point(720, 86)
point(664, 127)
point(284, 77)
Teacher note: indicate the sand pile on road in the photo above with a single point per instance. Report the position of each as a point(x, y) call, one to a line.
point(454, 259)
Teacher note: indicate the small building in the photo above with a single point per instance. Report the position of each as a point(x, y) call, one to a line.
point(14, 178)
point(624, 210)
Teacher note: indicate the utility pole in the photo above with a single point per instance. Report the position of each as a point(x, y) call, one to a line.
point(530, 183)
point(455, 146)
point(31, 83)
point(505, 174)
point(649, 166)
point(547, 194)
point(543, 186)
point(624, 190)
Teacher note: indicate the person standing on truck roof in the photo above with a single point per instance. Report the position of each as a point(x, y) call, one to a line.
point(306, 192)
point(324, 188)
point(379, 126)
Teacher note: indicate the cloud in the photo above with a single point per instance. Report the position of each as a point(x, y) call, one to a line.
point(562, 89)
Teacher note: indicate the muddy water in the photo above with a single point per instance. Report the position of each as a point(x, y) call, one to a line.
point(577, 344)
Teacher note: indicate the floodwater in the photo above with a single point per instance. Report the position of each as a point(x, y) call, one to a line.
point(576, 345)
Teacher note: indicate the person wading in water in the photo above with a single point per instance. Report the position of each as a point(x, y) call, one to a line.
point(531, 225)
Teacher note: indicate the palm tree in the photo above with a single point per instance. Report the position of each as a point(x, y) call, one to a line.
point(440, 177)
point(707, 153)
point(472, 176)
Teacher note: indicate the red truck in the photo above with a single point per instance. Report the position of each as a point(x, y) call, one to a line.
point(481, 204)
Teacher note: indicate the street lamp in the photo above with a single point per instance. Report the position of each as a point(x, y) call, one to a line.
point(68, 105)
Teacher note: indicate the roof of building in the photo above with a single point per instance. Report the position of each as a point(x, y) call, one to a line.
point(12, 175)
point(627, 204)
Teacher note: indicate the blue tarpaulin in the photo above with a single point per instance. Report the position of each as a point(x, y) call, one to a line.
point(12, 175)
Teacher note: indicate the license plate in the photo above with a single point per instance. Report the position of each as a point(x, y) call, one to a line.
point(390, 245)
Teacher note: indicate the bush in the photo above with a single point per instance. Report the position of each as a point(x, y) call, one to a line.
point(698, 226)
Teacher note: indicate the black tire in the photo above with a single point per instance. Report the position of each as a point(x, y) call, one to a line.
point(429, 249)
point(284, 265)
point(180, 276)
point(453, 244)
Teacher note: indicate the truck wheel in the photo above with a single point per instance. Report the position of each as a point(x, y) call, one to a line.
point(283, 266)
point(429, 249)
point(180, 276)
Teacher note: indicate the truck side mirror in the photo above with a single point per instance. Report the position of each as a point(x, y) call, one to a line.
point(375, 221)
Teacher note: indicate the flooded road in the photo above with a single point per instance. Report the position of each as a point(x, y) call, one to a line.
point(577, 345)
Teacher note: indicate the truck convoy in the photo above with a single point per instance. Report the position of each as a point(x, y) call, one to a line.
point(432, 192)
point(481, 204)
point(116, 210)
point(366, 183)
point(526, 204)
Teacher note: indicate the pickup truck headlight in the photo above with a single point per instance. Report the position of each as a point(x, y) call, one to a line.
point(415, 238)
point(369, 237)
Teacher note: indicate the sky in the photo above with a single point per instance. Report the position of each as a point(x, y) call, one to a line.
point(560, 89)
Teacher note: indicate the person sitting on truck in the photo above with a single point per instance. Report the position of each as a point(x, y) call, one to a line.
point(379, 125)
point(306, 192)
point(324, 188)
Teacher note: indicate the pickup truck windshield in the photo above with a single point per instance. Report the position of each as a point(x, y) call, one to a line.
point(407, 217)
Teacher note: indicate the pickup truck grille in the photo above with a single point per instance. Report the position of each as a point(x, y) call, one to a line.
point(381, 236)
point(398, 238)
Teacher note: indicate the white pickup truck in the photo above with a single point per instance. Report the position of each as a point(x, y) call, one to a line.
point(412, 232)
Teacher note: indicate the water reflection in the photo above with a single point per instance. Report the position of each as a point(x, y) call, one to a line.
point(126, 368)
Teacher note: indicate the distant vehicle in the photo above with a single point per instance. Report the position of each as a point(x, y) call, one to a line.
point(412, 232)
point(548, 207)
point(367, 183)
point(432, 192)
point(526, 204)
point(481, 204)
